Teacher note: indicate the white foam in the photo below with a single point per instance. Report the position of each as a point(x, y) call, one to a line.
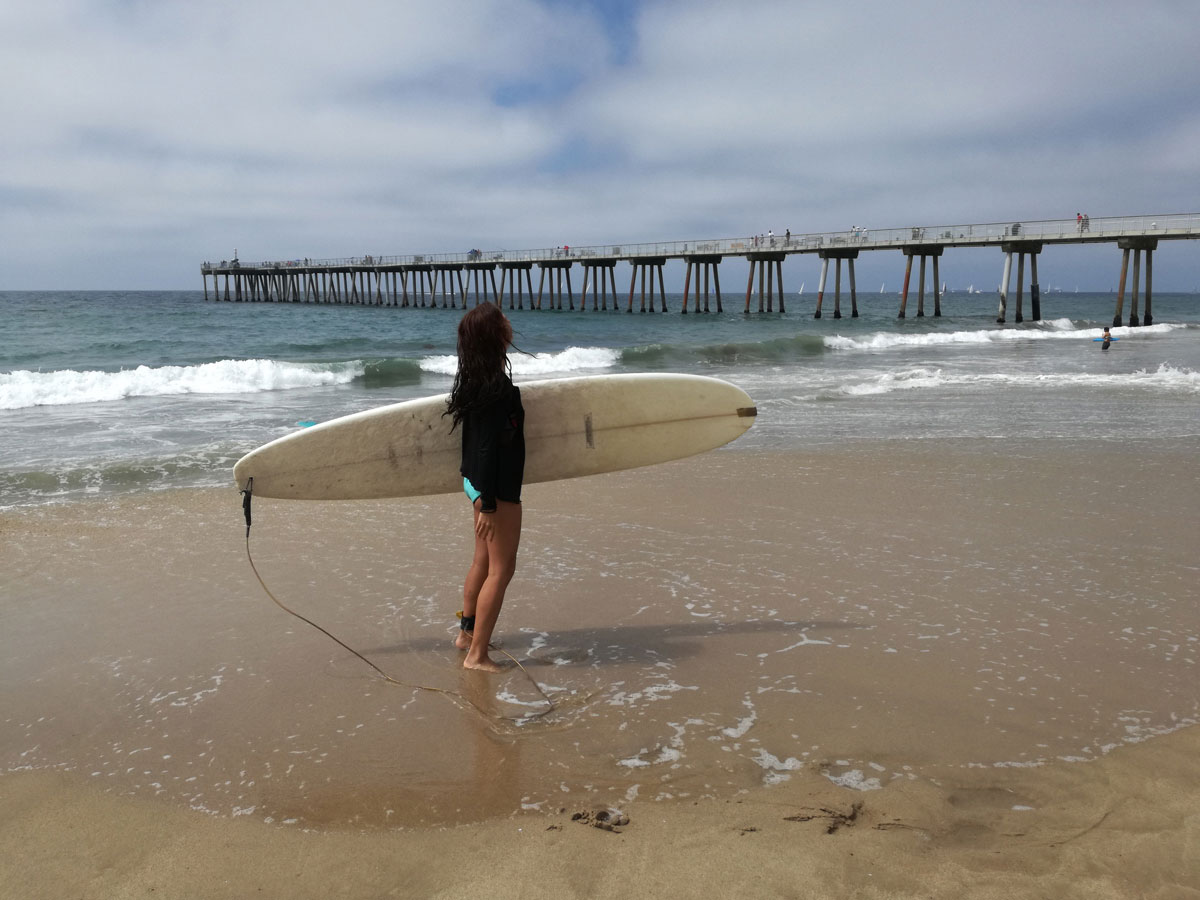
point(855, 780)
point(744, 724)
point(1056, 329)
point(805, 641)
point(671, 752)
point(777, 770)
point(651, 692)
point(1165, 377)
point(23, 388)
point(573, 359)
point(509, 697)
point(665, 754)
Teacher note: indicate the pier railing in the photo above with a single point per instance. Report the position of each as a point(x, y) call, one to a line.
point(1087, 230)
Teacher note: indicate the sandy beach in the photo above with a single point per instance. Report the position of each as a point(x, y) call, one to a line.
point(903, 669)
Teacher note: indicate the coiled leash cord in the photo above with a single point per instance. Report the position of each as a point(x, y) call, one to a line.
point(247, 494)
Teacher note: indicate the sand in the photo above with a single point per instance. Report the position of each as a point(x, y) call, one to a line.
point(1125, 826)
point(896, 670)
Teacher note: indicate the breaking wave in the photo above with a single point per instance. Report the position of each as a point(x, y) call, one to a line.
point(1057, 329)
point(24, 388)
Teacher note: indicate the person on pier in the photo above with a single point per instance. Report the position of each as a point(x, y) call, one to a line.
point(487, 405)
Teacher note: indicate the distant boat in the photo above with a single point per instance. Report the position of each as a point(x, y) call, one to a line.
point(802, 287)
point(943, 289)
point(971, 289)
point(882, 286)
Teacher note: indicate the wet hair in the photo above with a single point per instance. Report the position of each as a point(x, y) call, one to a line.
point(484, 336)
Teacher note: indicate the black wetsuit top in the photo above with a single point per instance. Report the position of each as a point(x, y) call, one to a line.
point(493, 447)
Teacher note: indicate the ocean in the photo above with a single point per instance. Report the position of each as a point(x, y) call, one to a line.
point(107, 392)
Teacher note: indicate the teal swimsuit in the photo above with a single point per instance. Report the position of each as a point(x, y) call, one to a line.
point(469, 490)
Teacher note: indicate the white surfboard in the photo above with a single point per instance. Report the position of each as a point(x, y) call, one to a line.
point(573, 427)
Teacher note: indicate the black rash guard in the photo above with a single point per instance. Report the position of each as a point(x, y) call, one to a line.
point(493, 448)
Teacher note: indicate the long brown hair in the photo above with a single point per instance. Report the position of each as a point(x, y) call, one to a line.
point(484, 336)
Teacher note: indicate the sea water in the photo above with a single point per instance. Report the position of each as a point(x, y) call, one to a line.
point(109, 391)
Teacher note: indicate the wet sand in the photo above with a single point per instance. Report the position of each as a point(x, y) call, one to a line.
point(1124, 826)
point(991, 648)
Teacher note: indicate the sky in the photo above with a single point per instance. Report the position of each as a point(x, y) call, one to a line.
point(142, 137)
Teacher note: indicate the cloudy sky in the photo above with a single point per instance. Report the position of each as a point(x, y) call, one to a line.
point(141, 137)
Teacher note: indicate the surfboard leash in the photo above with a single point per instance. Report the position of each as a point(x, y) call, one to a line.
point(247, 495)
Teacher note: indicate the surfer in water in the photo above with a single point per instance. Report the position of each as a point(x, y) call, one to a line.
point(1107, 339)
point(487, 405)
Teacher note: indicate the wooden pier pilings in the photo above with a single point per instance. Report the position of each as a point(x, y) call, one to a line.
point(1022, 249)
point(837, 256)
point(648, 267)
point(1137, 245)
point(709, 265)
point(600, 275)
point(772, 265)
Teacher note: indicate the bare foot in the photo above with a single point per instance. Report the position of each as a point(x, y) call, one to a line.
point(483, 665)
point(463, 640)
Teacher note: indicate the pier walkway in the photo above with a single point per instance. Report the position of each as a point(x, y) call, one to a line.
point(412, 280)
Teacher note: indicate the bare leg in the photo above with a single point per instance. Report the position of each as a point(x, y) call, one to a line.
point(476, 575)
point(501, 563)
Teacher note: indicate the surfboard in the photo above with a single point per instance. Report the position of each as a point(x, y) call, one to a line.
point(573, 427)
point(1096, 340)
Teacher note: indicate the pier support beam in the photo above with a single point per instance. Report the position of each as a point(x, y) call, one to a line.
point(1148, 319)
point(1002, 314)
point(443, 277)
point(1035, 293)
point(556, 268)
point(477, 271)
point(820, 288)
point(1020, 317)
point(421, 274)
point(853, 292)
point(1021, 248)
point(937, 290)
point(836, 255)
point(511, 272)
point(1137, 245)
point(1133, 296)
point(922, 251)
point(648, 266)
point(707, 264)
point(770, 270)
point(921, 290)
point(599, 274)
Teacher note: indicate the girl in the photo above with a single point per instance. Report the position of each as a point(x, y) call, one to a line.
point(487, 405)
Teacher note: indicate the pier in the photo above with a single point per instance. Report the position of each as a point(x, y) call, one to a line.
point(421, 280)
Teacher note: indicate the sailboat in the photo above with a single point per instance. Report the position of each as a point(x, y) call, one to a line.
point(882, 286)
point(943, 289)
point(971, 289)
point(802, 287)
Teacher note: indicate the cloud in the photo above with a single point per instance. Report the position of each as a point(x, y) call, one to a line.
point(147, 137)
